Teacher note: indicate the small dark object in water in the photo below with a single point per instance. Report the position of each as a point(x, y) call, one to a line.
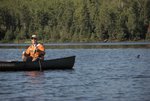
point(138, 56)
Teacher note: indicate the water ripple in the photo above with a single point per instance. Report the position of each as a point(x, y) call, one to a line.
point(99, 75)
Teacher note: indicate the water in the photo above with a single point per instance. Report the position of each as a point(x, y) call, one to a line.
point(108, 74)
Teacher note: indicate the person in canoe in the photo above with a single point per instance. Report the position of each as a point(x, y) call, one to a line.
point(35, 51)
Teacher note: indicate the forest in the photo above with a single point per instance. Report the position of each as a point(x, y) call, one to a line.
point(75, 20)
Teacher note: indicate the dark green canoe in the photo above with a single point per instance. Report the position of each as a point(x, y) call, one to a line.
point(60, 63)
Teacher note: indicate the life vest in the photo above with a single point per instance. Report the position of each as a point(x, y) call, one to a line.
point(36, 51)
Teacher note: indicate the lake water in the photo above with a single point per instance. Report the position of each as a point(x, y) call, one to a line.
point(100, 74)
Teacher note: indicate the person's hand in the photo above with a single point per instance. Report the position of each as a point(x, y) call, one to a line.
point(23, 53)
point(34, 59)
point(36, 50)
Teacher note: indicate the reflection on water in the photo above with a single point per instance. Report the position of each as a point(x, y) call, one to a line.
point(34, 73)
point(34, 78)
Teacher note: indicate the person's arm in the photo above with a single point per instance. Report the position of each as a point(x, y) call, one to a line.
point(27, 52)
point(41, 50)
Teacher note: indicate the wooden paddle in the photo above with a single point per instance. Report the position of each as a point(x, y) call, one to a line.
point(38, 60)
point(40, 65)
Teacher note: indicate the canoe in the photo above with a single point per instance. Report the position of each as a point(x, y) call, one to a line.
point(59, 63)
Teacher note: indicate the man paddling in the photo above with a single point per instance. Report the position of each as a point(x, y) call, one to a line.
point(35, 51)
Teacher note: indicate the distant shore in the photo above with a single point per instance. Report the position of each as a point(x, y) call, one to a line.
point(83, 45)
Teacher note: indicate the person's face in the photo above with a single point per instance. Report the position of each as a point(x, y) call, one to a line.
point(33, 40)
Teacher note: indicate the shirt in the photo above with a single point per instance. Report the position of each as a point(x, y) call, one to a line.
point(36, 51)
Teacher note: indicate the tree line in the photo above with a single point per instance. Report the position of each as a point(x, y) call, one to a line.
point(75, 20)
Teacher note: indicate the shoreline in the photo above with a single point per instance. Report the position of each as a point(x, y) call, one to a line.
point(85, 43)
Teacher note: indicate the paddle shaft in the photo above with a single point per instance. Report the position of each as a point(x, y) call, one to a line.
point(38, 59)
point(40, 65)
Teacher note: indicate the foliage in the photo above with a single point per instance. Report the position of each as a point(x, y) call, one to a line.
point(75, 20)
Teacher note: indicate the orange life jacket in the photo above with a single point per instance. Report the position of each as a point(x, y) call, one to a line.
point(36, 51)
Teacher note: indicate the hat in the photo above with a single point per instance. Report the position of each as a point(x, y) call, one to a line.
point(34, 36)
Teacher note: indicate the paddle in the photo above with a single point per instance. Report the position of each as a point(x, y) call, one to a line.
point(38, 60)
point(38, 57)
point(40, 65)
